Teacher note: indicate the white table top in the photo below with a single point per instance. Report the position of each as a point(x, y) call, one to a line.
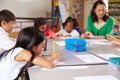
point(83, 69)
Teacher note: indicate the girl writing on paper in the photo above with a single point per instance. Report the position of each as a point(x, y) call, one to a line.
point(29, 45)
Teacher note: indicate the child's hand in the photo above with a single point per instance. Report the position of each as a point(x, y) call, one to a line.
point(55, 56)
point(110, 37)
point(67, 35)
point(48, 37)
point(60, 35)
point(115, 42)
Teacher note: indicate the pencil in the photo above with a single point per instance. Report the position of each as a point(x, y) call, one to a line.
point(53, 46)
point(48, 54)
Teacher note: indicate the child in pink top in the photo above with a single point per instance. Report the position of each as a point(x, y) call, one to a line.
point(40, 23)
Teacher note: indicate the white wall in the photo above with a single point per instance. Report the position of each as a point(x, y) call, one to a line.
point(27, 8)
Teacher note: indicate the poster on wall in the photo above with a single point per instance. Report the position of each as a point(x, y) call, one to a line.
point(77, 10)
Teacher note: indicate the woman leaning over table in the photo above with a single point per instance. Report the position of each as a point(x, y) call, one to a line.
point(99, 24)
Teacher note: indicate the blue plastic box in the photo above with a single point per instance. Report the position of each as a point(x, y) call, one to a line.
point(114, 62)
point(75, 44)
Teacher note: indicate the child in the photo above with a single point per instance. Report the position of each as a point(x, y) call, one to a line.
point(7, 20)
point(40, 23)
point(28, 46)
point(113, 40)
point(69, 30)
point(75, 24)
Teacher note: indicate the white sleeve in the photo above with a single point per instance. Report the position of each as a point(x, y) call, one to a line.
point(74, 33)
point(7, 43)
point(61, 31)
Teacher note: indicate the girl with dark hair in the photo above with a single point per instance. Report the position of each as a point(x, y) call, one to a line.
point(68, 30)
point(40, 23)
point(99, 24)
point(28, 47)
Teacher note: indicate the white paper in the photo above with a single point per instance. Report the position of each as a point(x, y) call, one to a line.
point(101, 77)
point(35, 66)
point(101, 43)
point(118, 49)
point(90, 59)
point(60, 63)
point(107, 55)
point(93, 40)
point(66, 68)
point(60, 43)
point(66, 37)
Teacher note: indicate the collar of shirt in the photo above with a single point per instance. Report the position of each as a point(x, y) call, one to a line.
point(2, 31)
point(99, 26)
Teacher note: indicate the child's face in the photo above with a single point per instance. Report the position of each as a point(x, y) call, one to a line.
point(38, 49)
point(8, 26)
point(69, 27)
point(42, 28)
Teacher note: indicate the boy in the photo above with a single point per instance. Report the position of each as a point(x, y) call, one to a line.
point(40, 23)
point(7, 20)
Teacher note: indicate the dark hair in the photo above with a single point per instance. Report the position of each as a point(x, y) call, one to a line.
point(6, 15)
point(75, 22)
point(27, 38)
point(39, 21)
point(93, 14)
point(69, 19)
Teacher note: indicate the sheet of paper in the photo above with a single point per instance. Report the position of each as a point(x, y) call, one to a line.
point(101, 43)
point(90, 59)
point(60, 43)
point(101, 77)
point(60, 63)
point(93, 40)
point(66, 37)
point(67, 68)
point(107, 55)
point(118, 49)
point(35, 66)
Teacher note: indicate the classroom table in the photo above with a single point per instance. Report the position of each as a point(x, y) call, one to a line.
point(68, 74)
point(81, 69)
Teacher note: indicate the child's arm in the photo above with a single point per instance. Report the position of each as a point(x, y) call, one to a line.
point(25, 55)
point(116, 42)
point(74, 33)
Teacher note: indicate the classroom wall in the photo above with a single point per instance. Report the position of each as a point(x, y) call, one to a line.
point(27, 8)
point(87, 8)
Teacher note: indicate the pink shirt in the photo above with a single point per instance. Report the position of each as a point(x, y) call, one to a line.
point(49, 33)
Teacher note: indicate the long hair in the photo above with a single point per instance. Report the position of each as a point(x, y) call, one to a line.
point(93, 14)
point(27, 38)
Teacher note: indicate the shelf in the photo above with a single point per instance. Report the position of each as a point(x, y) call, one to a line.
point(118, 2)
point(114, 13)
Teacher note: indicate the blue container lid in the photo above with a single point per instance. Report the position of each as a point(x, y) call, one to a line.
point(114, 60)
point(75, 41)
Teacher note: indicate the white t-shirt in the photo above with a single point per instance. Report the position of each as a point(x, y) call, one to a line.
point(9, 68)
point(73, 33)
point(5, 41)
